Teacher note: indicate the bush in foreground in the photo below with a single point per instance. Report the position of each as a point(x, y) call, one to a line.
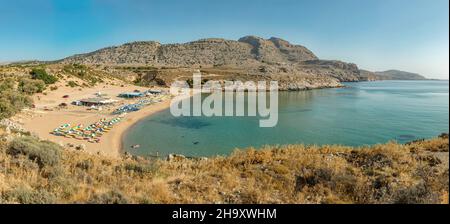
point(385, 173)
point(24, 195)
point(45, 153)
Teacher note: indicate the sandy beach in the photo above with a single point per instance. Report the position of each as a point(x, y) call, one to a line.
point(46, 116)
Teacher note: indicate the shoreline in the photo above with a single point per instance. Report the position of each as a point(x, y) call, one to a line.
point(112, 144)
point(117, 134)
point(41, 120)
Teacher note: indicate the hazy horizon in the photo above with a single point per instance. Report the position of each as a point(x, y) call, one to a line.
point(377, 35)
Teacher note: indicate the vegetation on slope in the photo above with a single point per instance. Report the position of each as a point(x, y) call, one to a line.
point(84, 73)
point(33, 171)
point(41, 74)
point(12, 99)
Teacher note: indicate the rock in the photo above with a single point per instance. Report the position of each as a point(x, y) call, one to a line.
point(430, 159)
point(127, 155)
point(175, 158)
point(11, 126)
point(81, 147)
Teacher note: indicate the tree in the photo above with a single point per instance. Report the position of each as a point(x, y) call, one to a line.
point(7, 84)
point(6, 109)
point(30, 86)
point(41, 74)
point(11, 100)
point(17, 99)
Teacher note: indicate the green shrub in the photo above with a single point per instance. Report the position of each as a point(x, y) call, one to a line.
point(6, 109)
point(12, 102)
point(72, 84)
point(85, 164)
point(30, 86)
point(82, 72)
point(139, 168)
point(17, 99)
point(417, 194)
point(22, 161)
point(7, 84)
point(43, 152)
point(41, 74)
point(25, 195)
point(110, 197)
point(160, 82)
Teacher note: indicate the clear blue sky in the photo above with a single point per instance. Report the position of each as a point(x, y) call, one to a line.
point(410, 35)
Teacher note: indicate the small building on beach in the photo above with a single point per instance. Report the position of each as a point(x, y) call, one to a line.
point(131, 95)
point(153, 92)
point(97, 101)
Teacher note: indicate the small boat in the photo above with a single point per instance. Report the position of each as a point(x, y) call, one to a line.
point(135, 146)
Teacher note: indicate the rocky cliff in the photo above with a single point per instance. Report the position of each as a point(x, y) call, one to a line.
point(273, 58)
point(205, 52)
point(368, 76)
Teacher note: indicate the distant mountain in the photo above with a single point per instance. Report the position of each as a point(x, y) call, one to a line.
point(365, 75)
point(389, 75)
point(22, 62)
point(294, 66)
point(399, 75)
point(205, 52)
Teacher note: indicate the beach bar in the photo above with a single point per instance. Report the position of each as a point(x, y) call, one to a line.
point(97, 101)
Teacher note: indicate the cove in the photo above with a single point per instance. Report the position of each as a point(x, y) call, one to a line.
point(364, 113)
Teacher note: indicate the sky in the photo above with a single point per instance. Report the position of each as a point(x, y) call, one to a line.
point(377, 35)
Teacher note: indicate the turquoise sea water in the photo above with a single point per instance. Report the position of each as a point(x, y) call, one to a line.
point(365, 113)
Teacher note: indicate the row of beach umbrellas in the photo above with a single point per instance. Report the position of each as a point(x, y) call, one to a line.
point(90, 133)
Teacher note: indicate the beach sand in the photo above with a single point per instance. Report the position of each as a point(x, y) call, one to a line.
point(41, 121)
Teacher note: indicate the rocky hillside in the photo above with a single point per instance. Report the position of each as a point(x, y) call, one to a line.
point(368, 76)
point(344, 72)
point(399, 75)
point(206, 53)
point(294, 66)
point(249, 58)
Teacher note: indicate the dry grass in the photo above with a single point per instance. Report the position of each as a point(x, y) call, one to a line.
point(388, 173)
